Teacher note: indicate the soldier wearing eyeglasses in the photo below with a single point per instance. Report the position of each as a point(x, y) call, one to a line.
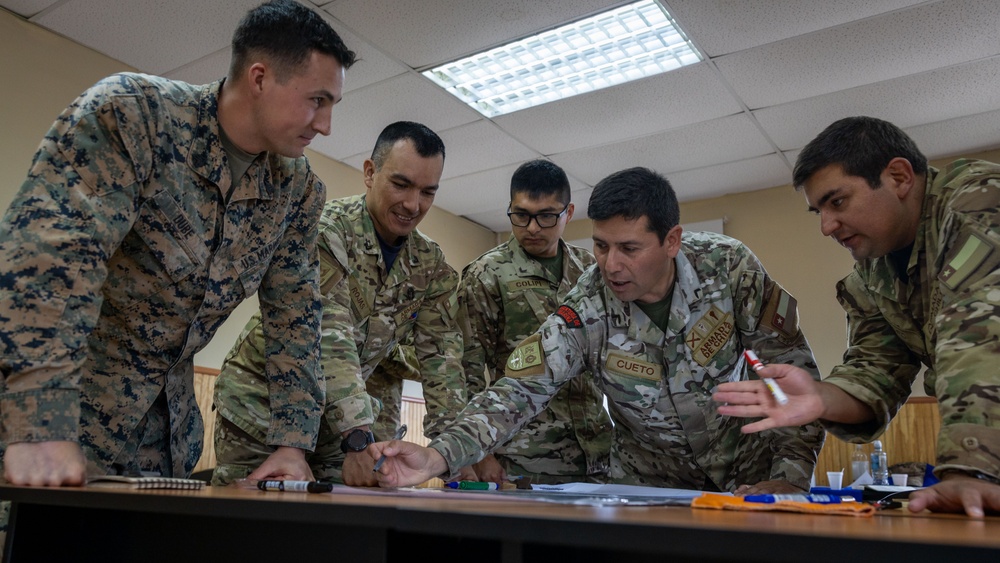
point(505, 295)
point(660, 321)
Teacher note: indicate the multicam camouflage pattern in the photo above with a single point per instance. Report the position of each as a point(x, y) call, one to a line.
point(504, 297)
point(946, 317)
point(366, 313)
point(667, 432)
point(120, 258)
point(386, 384)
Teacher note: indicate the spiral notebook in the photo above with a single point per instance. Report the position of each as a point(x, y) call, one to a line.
point(125, 482)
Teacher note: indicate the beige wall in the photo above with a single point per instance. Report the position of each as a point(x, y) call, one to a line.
point(44, 72)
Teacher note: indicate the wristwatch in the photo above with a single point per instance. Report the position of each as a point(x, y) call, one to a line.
point(357, 440)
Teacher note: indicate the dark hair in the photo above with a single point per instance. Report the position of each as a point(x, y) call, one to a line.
point(634, 193)
point(540, 178)
point(426, 142)
point(862, 145)
point(286, 32)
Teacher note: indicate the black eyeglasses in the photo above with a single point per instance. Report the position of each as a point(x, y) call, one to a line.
point(544, 220)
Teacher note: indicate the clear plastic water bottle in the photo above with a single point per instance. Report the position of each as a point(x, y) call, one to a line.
point(879, 465)
point(859, 463)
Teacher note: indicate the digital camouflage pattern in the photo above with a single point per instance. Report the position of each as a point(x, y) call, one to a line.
point(667, 432)
point(504, 296)
point(121, 256)
point(947, 317)
point(366, 313)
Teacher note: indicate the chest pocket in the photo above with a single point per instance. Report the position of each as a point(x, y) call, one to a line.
point(525, 311)
point(163, 249)
point(634, 381)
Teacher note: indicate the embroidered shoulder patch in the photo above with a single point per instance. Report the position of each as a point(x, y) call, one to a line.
point(570, 316)
point(781, 313)
point(527, 358)
point(971, 254)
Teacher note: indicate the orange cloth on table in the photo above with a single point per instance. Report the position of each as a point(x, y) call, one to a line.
point(726, 502)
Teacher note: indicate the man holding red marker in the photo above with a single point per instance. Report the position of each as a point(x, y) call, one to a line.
point(660, 321)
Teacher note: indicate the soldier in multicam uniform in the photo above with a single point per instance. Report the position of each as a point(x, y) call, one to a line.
point(504, 296)
point(661, 322)
point(924, 291)
point(382, 282)
point(151, 210)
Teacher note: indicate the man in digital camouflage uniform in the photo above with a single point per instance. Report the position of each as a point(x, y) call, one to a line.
point(151, 210)
point(504, 296)
point(382, 282)
point(925, 290)
point(660, 322)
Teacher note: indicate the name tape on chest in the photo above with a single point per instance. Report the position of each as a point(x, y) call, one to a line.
point(519, 285)
point(361, 306)
point(630, 366)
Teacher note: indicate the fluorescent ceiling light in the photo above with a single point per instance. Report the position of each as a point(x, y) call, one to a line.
point(621, 45)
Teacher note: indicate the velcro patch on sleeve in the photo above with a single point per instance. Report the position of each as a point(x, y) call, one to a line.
point(527, 359)
point(781, 313)
point(971, 254)
point(567, 314)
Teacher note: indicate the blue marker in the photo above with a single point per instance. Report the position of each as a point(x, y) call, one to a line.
point(770, 499)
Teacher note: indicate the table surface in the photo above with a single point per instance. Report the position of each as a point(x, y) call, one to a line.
point(497, 515)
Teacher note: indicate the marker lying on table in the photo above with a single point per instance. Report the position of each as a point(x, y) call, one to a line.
point(818, 499)
point(296, 486)
point(479, 486)
point(756, 364)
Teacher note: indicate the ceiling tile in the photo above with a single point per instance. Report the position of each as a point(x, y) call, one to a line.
point(371, 65)
point(911, 100)
point(154, 37)
point(719, 27)
point(889, 46)
point(26, 8)
point(425, 34)
point(734, 177)
point(481, 145)
point(362, 114)
point(956, 136)
point(472, 193)
point(726, 139)
point(207, 69)
point(482, 191)
point(635, 109)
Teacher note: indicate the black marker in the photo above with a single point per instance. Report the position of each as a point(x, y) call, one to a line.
point(400, 432)
point(296, 486)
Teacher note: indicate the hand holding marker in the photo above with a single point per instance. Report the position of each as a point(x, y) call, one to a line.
point(400, 432)
point(756, 364)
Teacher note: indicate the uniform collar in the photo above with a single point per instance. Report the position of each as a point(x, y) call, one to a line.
point(206, 157)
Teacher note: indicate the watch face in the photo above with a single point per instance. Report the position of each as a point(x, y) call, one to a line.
point(357, 440)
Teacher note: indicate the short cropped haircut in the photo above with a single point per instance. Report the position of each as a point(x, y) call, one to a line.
point(540, 178)
point(426, 142)
point(285, 33)
point(862, 145)
point(634, 193)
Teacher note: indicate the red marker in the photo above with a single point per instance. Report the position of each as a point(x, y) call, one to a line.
point(772, 385)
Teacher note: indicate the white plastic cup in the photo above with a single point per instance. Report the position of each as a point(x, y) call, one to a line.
point(835, 478)
point(899, 479)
